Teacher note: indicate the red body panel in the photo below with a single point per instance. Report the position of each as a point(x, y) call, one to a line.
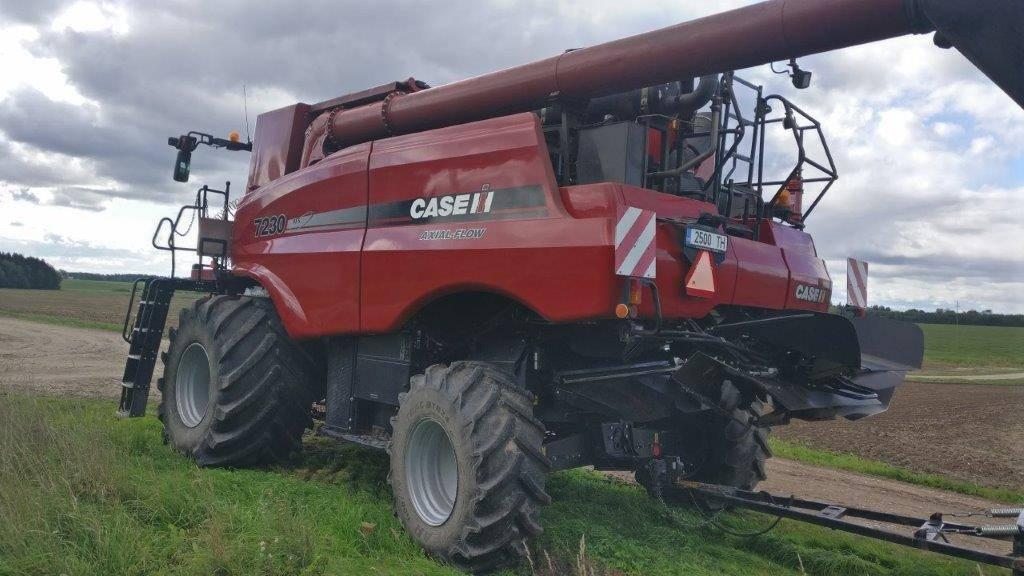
point(278, 146)
point(373, 235)
point(538, 254)
point(312, 269)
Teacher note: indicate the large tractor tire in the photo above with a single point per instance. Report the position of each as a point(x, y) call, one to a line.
point(236, 389)
point(467, 465)
point(736, 446)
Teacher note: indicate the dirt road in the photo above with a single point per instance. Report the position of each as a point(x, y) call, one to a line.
point(56, 360)
point(60, 360)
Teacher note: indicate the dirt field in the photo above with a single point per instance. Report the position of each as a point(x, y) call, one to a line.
point(972, 432)
point(94, 304)
point(58, 360)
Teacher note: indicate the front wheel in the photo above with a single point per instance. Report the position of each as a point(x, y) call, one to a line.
point(236, 388)
point(467, 465)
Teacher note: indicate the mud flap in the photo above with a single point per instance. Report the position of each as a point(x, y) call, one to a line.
point(857, 364)
point(888, 350)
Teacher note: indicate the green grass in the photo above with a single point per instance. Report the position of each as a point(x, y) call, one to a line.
point(62, 321)
point(965, 379)
point(82, 492)
point(829, 459)
point(97, 304)
point(73, 285)
point(974, 347)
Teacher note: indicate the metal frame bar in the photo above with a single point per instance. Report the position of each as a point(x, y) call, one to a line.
point(831, 516)
point(200, 208)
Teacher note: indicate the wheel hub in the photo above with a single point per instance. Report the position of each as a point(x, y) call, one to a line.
point(432, 472)
point(192, 385)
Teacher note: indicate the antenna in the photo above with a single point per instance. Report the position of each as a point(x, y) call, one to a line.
point(245, 106)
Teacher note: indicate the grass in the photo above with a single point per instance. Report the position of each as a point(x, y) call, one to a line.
point(82, 492)
point(73, 285)
point(953, 354)
point(97, 304)
point(976, 348)
point(853, 463)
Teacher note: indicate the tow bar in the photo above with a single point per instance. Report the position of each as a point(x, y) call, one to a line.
point(930, 534)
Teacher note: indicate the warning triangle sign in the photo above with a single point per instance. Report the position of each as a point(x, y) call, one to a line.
point(700, 280)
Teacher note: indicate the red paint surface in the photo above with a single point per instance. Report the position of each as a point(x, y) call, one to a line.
point(312, 275)
point(560, 264)
point(278, 144)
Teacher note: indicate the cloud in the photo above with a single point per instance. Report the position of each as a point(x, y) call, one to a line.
point(79, 255)
point(24, 195)
point(30, 11)
point(81, 198)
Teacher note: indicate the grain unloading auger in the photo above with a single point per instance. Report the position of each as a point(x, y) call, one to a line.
point(575, 261)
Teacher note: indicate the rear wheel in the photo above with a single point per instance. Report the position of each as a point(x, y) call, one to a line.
point(733, 448)
point(737, 450)
point(236, 388)
point(467, 467)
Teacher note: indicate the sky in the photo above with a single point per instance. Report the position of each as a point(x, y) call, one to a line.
point(930, 153)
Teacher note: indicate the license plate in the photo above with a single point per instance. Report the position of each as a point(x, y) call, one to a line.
point(704, 240)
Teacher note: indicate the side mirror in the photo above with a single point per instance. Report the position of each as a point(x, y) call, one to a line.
point(182, 165)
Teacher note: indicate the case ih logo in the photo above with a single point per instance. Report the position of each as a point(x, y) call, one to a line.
point(452, 205)
point(809, 293)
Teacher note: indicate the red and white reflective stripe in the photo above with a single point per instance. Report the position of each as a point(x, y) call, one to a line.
point(635, 248)
point(857, 283)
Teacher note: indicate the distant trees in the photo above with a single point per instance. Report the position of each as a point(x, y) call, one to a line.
point(108, 277)
point(17, 271)
point(944, 316)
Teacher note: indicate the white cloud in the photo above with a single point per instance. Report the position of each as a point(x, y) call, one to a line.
point(92, 17)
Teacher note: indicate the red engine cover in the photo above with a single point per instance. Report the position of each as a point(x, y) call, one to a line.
point(360, 241)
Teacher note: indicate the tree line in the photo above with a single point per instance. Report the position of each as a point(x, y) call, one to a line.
point(944, 316)
point(107, 277)
point(17, 271)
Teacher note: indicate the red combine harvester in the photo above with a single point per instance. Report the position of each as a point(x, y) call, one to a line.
point(577, 261)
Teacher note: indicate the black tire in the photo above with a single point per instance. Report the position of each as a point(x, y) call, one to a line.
point(259, 386)
point(501, 467)
point(737, 447)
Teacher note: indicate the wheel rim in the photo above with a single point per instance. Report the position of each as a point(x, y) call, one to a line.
point(192, 385)
point(431, 472)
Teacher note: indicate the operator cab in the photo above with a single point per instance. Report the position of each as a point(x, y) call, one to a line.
point(699, 142)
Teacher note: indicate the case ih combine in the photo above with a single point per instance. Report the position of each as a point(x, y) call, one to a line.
point(573, 262)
